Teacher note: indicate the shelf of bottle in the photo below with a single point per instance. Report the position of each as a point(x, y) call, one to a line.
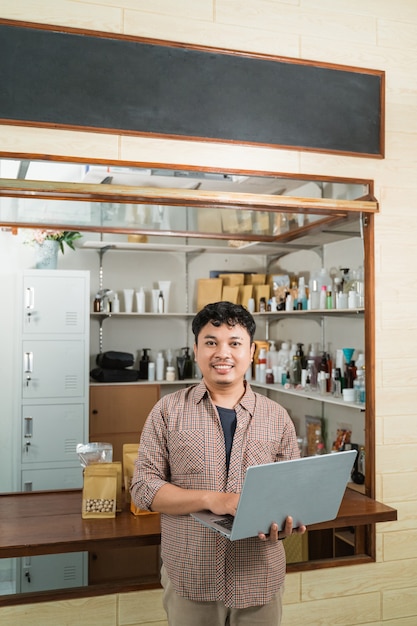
point(276, 315)
point(176, 383)
point(327, 398)
point(258, 316)
point(249, 247)
point(103, 315)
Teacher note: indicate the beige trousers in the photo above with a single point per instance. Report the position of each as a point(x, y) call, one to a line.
point(183, 612)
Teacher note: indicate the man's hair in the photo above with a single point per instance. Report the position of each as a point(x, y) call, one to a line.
point(219, 313)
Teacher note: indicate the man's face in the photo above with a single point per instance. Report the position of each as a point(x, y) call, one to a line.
point(223, 354)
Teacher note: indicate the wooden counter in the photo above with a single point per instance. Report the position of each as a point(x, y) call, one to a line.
point(50, 522)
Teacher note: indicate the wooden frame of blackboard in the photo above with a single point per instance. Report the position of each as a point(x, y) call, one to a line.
point(64, 77)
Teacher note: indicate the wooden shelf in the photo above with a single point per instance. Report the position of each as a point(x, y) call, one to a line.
point(309, 395)
point(50, 522)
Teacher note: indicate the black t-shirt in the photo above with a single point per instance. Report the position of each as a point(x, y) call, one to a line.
point(228, 420)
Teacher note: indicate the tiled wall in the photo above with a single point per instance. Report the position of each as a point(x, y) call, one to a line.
point(364, 33)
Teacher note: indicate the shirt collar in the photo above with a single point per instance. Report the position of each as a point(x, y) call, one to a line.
point(248, 400)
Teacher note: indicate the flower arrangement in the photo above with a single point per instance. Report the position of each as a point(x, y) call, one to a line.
point(61, 236)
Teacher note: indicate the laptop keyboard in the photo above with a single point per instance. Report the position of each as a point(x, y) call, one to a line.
point(226, 522)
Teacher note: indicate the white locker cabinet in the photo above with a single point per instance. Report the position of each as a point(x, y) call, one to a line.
point(53, 372)
point(53, 303)
point(50, 433)
point(53, 368)
point(49, 480)
point(52, 571)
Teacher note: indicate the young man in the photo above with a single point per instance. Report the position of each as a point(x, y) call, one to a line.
point(195, 448)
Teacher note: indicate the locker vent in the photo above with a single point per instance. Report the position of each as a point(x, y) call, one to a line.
point(71, 318)
point(71, 382)
point(70, 572)
point(70, 446)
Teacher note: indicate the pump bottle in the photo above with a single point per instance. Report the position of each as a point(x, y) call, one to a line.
point(185, 364)
point(144, 364)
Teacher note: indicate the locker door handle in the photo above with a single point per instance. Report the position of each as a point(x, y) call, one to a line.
point(29, 302)
point(28, 362)
point(27, 564)
point(28, 430)
point(28, 366)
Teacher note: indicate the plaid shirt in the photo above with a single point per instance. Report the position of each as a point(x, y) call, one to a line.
point(183, 443)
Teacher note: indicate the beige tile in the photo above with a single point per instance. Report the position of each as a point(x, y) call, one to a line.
point(188, 9)
point(292, 588)
point(407, 517)
point(98, 611)
point(207, 154)
point(381, 8)
point(350, 610)
point(210, 33)
point(59, 142)
point(399, 604)
point(398, 458)
point(393, 197)
point(357, 579)
point(397, 34)
point(141, 607)
point(398, 487)
point(65, 13)
point(400, 429)
point(395, 401)
point(401, 545)
point(301, 20)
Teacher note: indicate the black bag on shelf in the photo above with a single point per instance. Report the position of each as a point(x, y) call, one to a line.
point(114, 375)
point(114, 360)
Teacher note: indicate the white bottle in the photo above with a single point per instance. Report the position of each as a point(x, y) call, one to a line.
point(323, 296)
point(161, 304)
point(140, 300)
point(284, 355)
point(272, 356)
point(151, 371)
point(116, 304)
point(314, 295)
point(160, 366)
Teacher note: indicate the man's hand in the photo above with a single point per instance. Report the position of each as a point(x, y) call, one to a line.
point(221, 503)
point(276, 535)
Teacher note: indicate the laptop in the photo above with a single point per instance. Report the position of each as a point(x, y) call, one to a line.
point(310, 489)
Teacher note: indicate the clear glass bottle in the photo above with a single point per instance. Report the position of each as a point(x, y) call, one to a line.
point(311, 376)
point(337, 383)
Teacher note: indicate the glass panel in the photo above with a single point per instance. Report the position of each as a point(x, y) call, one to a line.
point(156, 219)
point(274, 184)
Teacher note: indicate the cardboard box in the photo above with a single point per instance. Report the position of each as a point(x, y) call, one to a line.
point(245, 292)
point(230, 294)
point(232, 280)
point(208, 290)
point(262, 291)
point(255, 279)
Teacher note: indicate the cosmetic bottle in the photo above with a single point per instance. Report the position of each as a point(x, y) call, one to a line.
point(144, 364)
point(116, 304)
point(160, 366)
point(184, 364)
point(140, 300)
point(161, 305)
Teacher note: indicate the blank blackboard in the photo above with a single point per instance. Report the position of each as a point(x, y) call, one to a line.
point(126, 85)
